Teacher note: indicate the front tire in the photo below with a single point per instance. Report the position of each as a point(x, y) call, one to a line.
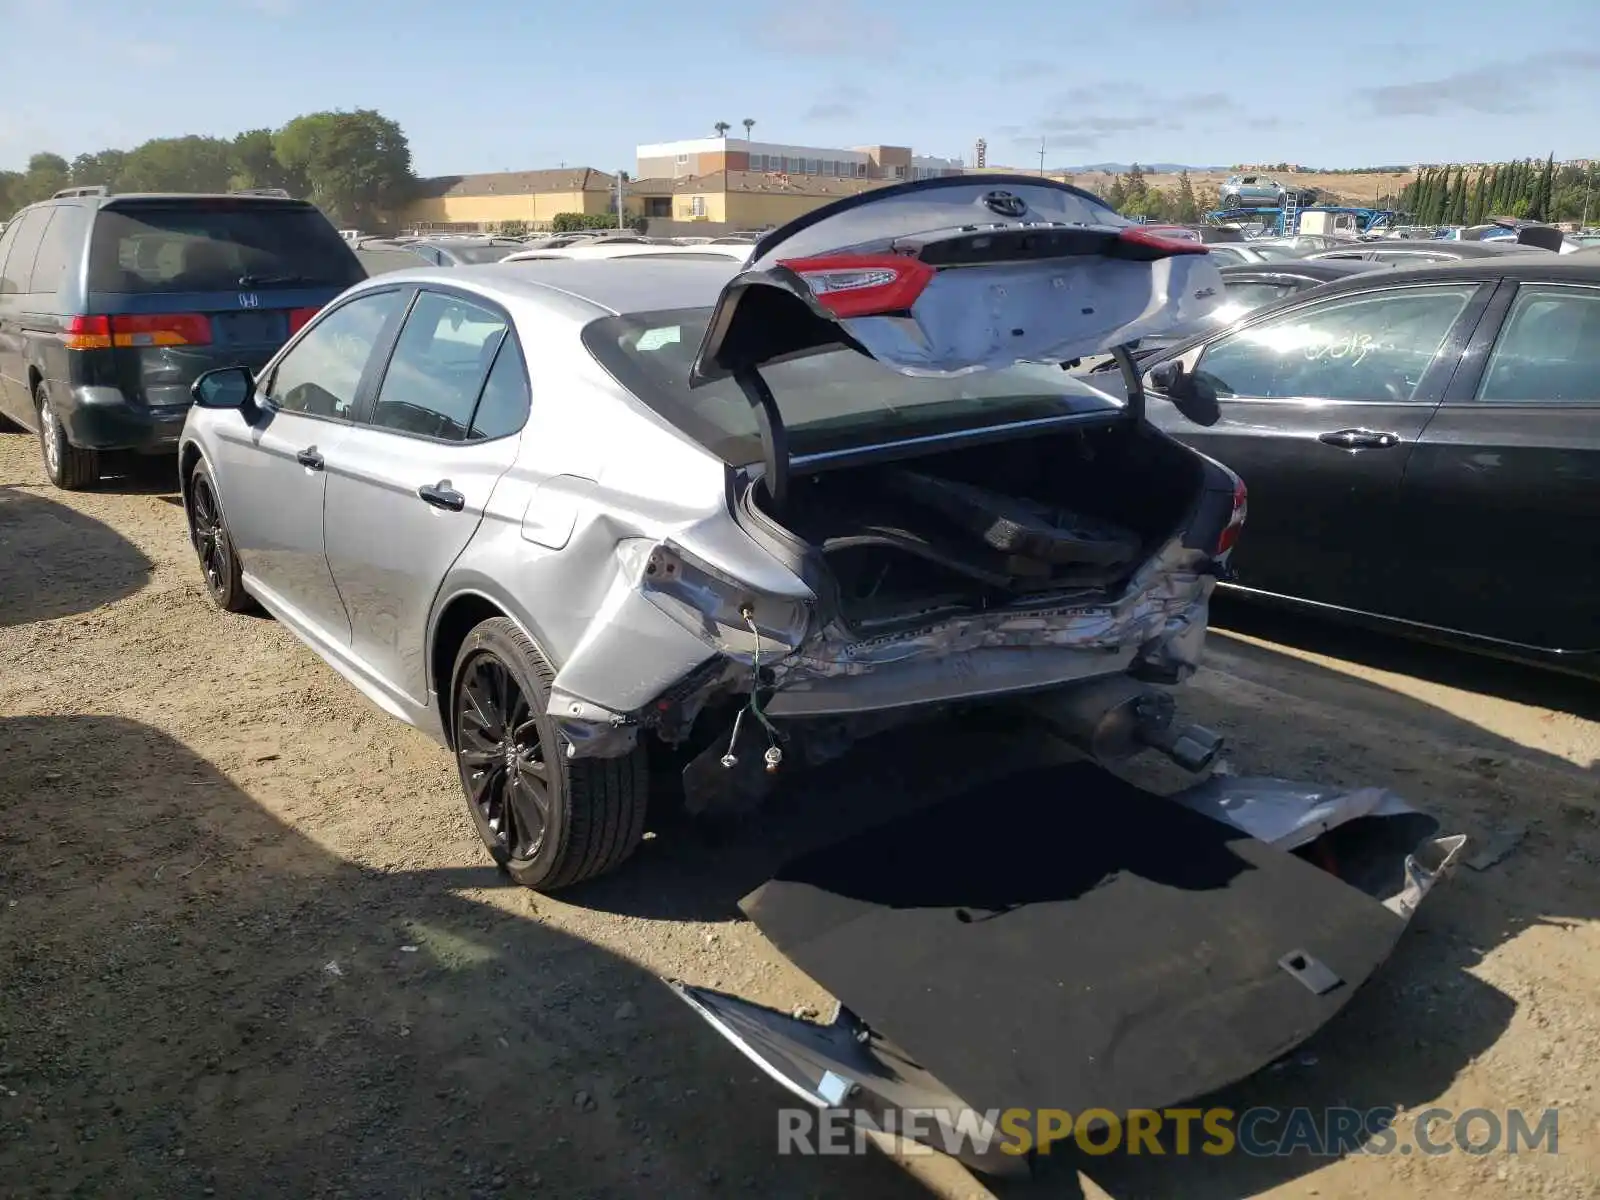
point(213, 545)
point(69, 468)
point(549, 821)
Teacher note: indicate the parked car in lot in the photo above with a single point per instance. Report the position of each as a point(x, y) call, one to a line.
point(1247, 287)
point(1260, 191)
point(462, 251)
point(623, 248)
point(553, 517)
point(1402, 252)
point(112, 305)
point(1422, 449)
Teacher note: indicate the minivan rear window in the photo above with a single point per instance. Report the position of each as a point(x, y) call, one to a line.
point(143, 249)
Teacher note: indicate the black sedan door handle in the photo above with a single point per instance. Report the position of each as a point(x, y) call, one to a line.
point(442, 495)
point(1360, 439)
point(309, 458)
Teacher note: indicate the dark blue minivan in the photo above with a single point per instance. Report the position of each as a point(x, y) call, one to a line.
point(112, 305)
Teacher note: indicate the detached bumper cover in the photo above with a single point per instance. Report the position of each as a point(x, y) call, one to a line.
point(1062, 939)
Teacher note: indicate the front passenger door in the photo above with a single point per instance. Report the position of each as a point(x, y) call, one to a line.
point(1320, 408)
point(411, 483)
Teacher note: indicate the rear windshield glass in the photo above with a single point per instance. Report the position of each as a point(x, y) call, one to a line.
point(832, 400)
point(142, 249)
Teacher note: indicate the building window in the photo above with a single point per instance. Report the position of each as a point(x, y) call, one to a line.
point(811, 166)
point(697, 206)
point(658, 206)
point(861, 170)
point(758, 162)
point(899, 172)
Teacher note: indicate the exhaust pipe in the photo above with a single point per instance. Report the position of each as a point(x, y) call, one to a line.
point(1115, 718)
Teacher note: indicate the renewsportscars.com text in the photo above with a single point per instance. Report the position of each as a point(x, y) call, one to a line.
point(1257, 1132)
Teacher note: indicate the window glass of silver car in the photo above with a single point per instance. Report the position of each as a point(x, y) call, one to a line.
point(827, 399)
point(439, 367)
point(321, 374)
point(1374, 347)
point(1549, 349)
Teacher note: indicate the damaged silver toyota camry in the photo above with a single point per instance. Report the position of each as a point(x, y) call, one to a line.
point(583, 520)
point(559, 513)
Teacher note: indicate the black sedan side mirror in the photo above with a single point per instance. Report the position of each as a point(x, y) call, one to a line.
point(225, 387)
point(1187, 391)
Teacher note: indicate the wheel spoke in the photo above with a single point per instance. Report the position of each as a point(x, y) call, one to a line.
point(477, 760)
point(531, 805)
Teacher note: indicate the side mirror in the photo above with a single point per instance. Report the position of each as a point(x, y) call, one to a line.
point(1186, 390)
point(225, 387)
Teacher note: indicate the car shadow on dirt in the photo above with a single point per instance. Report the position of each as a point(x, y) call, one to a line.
point(198, 1001)
point(1517, 682)
point(1402, 1039)
point(37, 583)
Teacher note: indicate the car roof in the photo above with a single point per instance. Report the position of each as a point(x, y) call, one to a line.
point(1325, 268)
point(1537, 265)
point(603, 287)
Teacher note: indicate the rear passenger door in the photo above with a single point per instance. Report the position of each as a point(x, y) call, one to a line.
point(408, 488)
point(1501, 501)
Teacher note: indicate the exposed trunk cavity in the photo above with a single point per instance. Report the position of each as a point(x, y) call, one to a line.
point(1057, 541)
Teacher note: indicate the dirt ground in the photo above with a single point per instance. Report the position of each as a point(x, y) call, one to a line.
point(250, 946)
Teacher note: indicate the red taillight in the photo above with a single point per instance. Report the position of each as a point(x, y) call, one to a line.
point(298, 318)
point(1241, 507)
point(1138, 235)
point(138, 331)
point(88, 333)
point(863, 285)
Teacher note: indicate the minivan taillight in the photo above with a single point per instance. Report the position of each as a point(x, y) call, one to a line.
point(137, 331)
point(298, 318)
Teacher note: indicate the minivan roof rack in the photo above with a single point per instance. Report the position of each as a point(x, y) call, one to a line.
point(260, 192)
point(98, 189)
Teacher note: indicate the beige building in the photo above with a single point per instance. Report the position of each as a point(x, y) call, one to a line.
point(708, 156)
point(532, 197)
point(740, 199)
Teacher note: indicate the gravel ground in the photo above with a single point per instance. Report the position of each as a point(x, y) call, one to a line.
point(250, 946)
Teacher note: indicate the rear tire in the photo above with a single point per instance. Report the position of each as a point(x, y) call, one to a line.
point(549, 821)
point(68, 467)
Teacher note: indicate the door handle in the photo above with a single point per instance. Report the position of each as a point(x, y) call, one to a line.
point(1360, 439)
point(442, 495)
point(309, 458)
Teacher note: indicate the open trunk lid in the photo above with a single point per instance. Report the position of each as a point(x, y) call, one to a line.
point(1101, 948)
point(949, 276)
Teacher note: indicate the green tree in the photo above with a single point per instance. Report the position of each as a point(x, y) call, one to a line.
point(10, 193)
point(256, 165)
point(104, 167)
point(1135, 185)
point(47, 174)
point(179, 164)
point(1539, 207)
point(356, 165)
point(1186, 209)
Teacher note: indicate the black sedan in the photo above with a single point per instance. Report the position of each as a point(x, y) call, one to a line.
point(1250, 286)
point(1422, 447)
point(1405, 252)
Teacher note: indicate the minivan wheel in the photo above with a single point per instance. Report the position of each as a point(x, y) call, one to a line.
point(68, 467)
point(213, 546)
point(549, 821)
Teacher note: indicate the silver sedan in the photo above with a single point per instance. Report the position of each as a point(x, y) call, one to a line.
point(568, 516)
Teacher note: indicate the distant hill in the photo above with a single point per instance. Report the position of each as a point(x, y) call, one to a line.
point(1160, 168)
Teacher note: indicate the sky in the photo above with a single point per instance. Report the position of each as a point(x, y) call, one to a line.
point(489, 85)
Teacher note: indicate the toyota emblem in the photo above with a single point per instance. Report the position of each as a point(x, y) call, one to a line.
point(1005, 204)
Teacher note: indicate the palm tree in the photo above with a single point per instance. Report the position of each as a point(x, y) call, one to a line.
point(722, 128)
point(749, 123)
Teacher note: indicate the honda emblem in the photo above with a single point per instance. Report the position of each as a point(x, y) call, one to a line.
point(249, 300)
